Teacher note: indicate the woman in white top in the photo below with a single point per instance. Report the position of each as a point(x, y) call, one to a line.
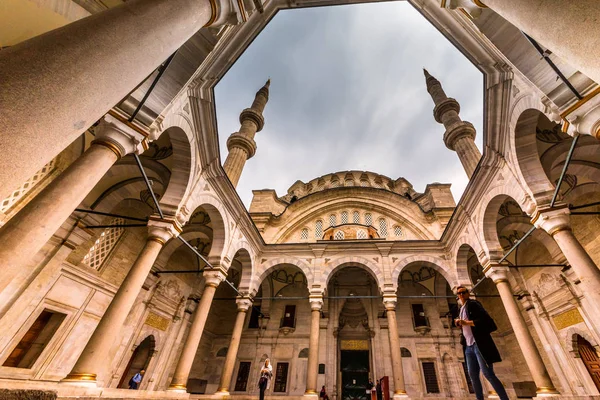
point(266, 373)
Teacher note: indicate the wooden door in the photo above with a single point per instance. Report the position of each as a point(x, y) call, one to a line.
point(590, 359)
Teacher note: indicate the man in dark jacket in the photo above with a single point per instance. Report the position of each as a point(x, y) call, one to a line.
point(479, 347)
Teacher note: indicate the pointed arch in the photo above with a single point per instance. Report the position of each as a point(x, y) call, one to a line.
point(435, 263)
point(338, 263)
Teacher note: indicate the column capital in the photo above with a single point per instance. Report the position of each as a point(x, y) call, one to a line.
point(584, 120)
point(119, 137)
point(479, 3)
point(497, 272)
point(552, 220)
point(389, 301)
point(316, 302)
point(213, 277)
point(163, 229)
point(243, 303)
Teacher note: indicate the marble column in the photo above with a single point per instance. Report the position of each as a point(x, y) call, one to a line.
point(243, 304)
point(389, 301)
point(241, 145)
point(190, 347)
point(56, 85)
point(93, 358)
point(569, 30)
point(312, 368)
point(28, 231)
point(499, 275)
point(556, 221)
point(459, 135)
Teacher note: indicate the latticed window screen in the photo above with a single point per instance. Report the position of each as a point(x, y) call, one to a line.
point(334, 183)
point(397, 231)
point(242, 377)
point(319, 230)
point(364, 183)
point(382, 228)
point(281, 374)
point(339, 235)
point(344, 217)
point(29, 184)
point(368, 219)
point(361, 234)
point(349, 182)
point(356, 217)
point(431, 382)
point(332, 220)
point(304, 234)
point(104, 244)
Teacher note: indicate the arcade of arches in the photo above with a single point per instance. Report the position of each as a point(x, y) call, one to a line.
point(347, 277)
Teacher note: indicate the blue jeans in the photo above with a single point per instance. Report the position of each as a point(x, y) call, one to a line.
point(476, 363)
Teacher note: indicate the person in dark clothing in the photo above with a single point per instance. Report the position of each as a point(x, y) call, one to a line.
point(370, 387)
point(478, 346)
point(323, 394)
point(379, 391)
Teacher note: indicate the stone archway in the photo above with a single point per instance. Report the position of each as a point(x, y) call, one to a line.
point(139, 360)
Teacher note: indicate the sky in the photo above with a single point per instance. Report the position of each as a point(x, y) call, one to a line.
point(348, 93)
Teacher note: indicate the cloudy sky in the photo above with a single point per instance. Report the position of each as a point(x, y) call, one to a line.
point(348, 93)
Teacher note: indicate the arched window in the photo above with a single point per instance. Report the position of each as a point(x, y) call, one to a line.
point(303, 353)
point(319, 230)
point(349, 182)
point(404, 352)
point(344, 217)
point(397, 231)
point(332, 220)
point(364, 183)
point(304, 234)
point(339, 235)
point(368, 219)
point(334, 183)
point(356, 217)
point(382, 227)
point(222, 352)
point(361, 234)
point(104, 245)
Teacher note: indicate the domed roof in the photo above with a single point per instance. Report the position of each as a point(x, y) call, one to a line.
point(348, 179)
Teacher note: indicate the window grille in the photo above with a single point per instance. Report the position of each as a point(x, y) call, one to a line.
point(281, 374)
point(332, 220)
point(368, 219)
point(356, 217)
point(349, 182)
point(431, 382)
point(339, 235)
point(361, 234)
point(319, 230)
point(241, 381)
point(29, 184)
point(334, 183)
point(364, 183)
point(344, 217)
point(405, 353)
point(104, 245)
point(397, 231)
point(304, 234)
point(382, 228)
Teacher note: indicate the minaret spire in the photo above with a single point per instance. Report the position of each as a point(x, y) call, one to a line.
point(241, 145)
point(459, 135)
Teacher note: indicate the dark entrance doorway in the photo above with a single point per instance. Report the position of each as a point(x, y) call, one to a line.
point(354, 365)
point(590, 359)
point(139, 360)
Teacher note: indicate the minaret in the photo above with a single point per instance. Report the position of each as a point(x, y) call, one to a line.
point(241, 145)
point(459, 135)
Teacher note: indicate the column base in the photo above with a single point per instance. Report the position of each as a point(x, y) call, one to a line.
point(547, 392)
point(311, 393)
point(177, 388)
point(222, 392)
point(400, 394)
point(80, 379)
